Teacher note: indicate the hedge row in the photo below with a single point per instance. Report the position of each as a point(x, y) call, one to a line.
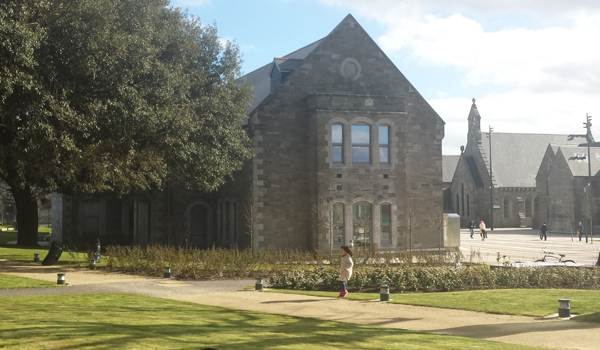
point(441, 279)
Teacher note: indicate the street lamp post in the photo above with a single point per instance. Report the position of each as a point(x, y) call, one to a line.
point(491, 183)
point(588, 125)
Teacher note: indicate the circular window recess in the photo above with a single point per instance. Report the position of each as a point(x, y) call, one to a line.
point(350, 69)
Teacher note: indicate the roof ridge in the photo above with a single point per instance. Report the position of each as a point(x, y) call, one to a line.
point(303, 47)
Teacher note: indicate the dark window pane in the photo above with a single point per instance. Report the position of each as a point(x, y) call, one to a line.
point(386, 236)
point(386, 211)
point(383, 135)
point(383, 155)
point(337, 154)
point(360, 154)
point(336, 133)
point(361, 134)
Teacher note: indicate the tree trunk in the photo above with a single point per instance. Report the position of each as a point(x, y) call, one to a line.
point(27, 215)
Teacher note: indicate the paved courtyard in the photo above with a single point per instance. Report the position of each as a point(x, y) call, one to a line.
point(525, 245)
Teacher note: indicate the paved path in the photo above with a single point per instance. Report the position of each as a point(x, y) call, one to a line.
point(525, 245)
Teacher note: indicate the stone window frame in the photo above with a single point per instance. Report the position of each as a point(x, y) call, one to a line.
point(337, 144)
point(374, 218)
point(368, 145)
point(373, 144)
point(391, 224)
point(384, 145)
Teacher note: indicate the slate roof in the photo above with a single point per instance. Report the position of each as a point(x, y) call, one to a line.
point(516, 158)
point(260, 79)
point(449, 164)
point(577, 160)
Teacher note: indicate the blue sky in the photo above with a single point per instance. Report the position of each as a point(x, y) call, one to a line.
point(531, 64)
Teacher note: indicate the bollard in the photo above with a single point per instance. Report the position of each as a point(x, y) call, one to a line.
point(564, 308)
point(259, 283)
point(598, 261)
point(92, 264)
point(60, 278)
point(36, 258)
point(167, 272)
point(384, 293)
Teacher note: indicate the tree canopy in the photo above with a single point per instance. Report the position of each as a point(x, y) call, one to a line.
point(115, 95)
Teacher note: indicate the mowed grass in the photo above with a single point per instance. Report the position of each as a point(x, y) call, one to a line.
point(12, 282)
point(26, 255)
point(107, 321)
point(524, 302)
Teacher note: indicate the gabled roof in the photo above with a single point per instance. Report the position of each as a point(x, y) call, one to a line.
point(577, 159)
point(260, 80)
point(449, 164)
point(516, 158)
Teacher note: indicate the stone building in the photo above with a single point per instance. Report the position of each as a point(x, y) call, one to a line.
point(513, 159)
point(567, 194)
point(449, 163)
point(345, 150)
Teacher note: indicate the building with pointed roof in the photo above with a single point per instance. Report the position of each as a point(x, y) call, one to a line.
point(568, 184)
point(346, 151)
point(501, 168)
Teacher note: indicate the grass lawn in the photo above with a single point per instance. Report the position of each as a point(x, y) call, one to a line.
point(107, 321)
point(8, 236)
point(12, 282)
point(26, 254)
point(526, 302)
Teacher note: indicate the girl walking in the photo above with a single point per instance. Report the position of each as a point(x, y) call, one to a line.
point(346, 269)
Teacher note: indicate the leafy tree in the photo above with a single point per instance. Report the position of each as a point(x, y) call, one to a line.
point(114, 95)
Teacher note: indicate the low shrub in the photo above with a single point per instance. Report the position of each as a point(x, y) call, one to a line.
point(442, 279)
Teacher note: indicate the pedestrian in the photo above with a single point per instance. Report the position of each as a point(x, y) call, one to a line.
point(346, 269)
point(580, 230)
point(472, 227)
point(543, 231)
point(482, 230)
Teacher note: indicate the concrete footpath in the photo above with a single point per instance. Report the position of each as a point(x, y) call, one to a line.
point(549, 333)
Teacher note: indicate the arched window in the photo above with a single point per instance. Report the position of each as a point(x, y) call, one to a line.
point(462, 199)
point(361, 143)
point(337, 143)
point(468, 207)
point(457, 204)
point(386, 221)
point(362, 223)
point(506, 208)
point(338, 225)
point(384, 144)
point(528, 207)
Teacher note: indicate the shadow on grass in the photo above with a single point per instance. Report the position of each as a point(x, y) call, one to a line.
point(593, 317)
point(108, 321)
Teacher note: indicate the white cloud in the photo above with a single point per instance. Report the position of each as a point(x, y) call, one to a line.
point(539, 55)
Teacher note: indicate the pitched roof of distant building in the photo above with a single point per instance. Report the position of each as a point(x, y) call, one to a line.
point(449, 164)
point(516, 158)
point(577, 159)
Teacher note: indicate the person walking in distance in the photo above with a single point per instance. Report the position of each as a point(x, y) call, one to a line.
point(346, 269)
point(580, 230)
point(543, 231)
point(482, 230)
point(472, 227)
